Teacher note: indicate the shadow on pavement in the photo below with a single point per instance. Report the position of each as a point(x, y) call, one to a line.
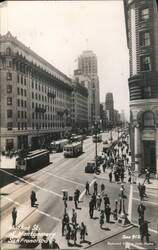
point(6, 179)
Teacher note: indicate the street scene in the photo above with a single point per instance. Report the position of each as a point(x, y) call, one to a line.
point(79, 145)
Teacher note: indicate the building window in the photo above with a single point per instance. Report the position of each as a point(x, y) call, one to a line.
point(25, 104)
point(144, 39)
point(9, 88)
point(18, 125)
point(18, 114)
point(24, 92)
point(9, 113)
point(9, 101)
point(8, 51)
point(18, 103)
point(145, 63)
point(9, 125)
point(148, 119)
point(18, 90)
point(21, 79)
point(21, 103)
point(144, 14)
point(146, 92)
point(9, 76)
point(9, 144)
point(18, 78)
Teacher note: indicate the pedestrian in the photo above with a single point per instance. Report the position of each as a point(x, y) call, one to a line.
point(91, 208)
point(147, 176)
point(115, 212)
point(143, 229)
point(87, 188)
point(106, 200)
point(65, 222)
point(14, 216)
point(94, 198)
point(54, 245)
point(95, 188)
point(76, 198)
point(45, 243)
point(74, 217)
point(68, 233)
point(140, 189)
point(107, 213)
point(102, 187)
point(104, 167)
point(110, 176)
point(74, 233)
point(141, 209)
point(83, 232)
point(98, 202)
point(101, 218)
point(122, 176)
point(33, 198)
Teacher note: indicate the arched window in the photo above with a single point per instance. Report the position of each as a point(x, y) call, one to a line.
point(8, 51)
point(148, 119)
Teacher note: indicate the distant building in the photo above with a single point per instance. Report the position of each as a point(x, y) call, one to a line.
point(85, 81)
point(87, 64)
point(141, 17)
point(79, 107)
point(35, 98)
point(109, 104)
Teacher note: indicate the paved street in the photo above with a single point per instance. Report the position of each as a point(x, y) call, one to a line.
point(68, 174)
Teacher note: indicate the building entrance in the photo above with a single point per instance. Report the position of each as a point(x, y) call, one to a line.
point(150, 156)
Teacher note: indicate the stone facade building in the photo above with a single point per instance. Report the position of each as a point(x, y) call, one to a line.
point(35, 97)
point(79, 107)
point(141, 18)
point(87, 64)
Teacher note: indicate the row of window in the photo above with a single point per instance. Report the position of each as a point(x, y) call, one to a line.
point(21, 91)
point(23, 125)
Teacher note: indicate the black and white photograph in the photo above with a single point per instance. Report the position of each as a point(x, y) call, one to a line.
point(79, 124)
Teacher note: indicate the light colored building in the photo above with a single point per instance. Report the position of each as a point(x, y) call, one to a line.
point(87, 64)
point(86, 81)
point(35, 97)
point(141, 18)
point(79, 107)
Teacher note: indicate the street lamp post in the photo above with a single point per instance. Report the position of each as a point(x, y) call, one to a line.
point(95, 127)
point(123, 220)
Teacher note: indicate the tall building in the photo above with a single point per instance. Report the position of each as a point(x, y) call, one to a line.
point(109, 104)
point(85, 81)
point(141, 17)
point(35, 97)
point(87, 64)
point(79, 107)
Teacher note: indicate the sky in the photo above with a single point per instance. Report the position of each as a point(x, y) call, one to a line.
point(60, 30)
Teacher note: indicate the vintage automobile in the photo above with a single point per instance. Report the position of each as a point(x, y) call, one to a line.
point(91, 167)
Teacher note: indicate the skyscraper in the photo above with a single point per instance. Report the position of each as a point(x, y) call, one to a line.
point(141, 18)
point(109, 104)
point(87, 64)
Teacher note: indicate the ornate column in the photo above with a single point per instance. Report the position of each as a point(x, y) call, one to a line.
point(137, 147)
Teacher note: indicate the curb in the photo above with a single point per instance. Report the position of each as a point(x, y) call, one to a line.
point(108, 237)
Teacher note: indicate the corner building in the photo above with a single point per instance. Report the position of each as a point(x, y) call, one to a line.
point(35, 97)
point(141, 18)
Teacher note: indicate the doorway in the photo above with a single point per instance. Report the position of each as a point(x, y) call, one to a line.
point(150, 156)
